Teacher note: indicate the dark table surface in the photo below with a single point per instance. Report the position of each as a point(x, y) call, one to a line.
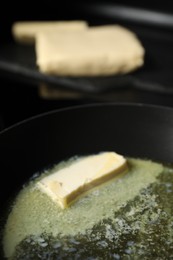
point(20, 100)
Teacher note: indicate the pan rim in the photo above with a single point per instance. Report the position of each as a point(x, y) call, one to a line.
point(85, 106)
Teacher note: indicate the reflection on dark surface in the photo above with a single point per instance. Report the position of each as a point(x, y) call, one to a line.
point(18, 102)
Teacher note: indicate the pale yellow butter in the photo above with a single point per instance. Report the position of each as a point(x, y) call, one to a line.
point(97, 51)
point(67, 184)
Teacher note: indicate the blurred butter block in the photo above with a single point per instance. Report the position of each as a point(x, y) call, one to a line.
point(97, 51)
point(25, 32)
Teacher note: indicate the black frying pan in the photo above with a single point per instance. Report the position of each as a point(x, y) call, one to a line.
point(132, 130)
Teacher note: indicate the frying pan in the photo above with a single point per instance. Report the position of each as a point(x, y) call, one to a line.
point(136, 130)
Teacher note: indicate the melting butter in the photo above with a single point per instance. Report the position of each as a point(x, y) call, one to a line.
point(34, 213)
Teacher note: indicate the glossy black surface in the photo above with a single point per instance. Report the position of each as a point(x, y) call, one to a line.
point(18, 61)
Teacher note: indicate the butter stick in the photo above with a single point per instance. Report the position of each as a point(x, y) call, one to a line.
point(67, 184)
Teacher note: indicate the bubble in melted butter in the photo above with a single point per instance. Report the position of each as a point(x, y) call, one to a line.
point(120, 219)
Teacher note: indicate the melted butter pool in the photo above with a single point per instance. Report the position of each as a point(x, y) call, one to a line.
point(127, 218)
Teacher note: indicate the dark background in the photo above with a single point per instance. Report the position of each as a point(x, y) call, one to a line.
point(53, 10)
point(21, 100)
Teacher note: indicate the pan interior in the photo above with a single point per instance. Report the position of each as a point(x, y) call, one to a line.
point(137, 131)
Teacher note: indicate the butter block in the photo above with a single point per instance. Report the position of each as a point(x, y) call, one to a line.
point(26, 31)
point(97, 51)
point(67, 184)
